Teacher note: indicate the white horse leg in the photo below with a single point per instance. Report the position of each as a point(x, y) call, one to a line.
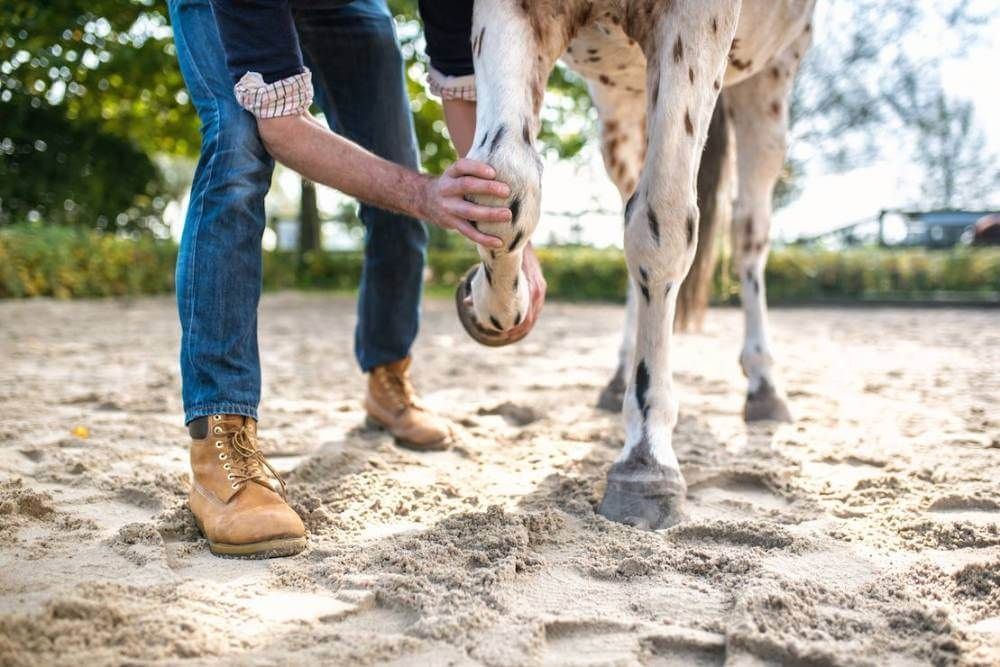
point(686, 46)
point(513, 60)
point(759, 111)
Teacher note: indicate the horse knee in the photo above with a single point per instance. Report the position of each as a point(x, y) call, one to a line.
point(660, 240)
point(509, 151)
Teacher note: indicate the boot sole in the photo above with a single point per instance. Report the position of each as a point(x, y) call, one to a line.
point(266, 549)
point(276, 548)
point(438, 446)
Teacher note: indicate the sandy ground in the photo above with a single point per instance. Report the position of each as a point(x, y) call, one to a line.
point(865, 533)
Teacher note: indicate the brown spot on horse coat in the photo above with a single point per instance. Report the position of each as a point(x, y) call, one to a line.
point(678, 50)
point(688, 125)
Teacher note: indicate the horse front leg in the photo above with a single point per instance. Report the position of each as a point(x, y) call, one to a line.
point(686, 51)
point(512, 59)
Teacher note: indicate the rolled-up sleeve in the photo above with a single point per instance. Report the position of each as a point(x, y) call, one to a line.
point(447, 28)
point(263, 56)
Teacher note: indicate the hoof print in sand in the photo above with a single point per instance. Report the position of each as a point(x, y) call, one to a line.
point(513, 414)
point(748, 493)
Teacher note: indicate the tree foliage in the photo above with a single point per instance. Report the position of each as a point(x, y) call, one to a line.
point(90, 92)
point(872, 84)
point(97, 83)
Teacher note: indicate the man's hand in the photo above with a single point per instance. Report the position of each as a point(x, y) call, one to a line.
point(536, 287)
point(444, 202)
point(301, 143)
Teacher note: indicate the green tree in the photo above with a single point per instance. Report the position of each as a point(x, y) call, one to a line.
point(89, 93)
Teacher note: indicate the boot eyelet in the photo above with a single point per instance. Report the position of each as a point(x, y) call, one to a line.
point(217, 430)
point(230, 476)
point(218, 443)
point(222, 456)
point(227, 466)
point(217, 418)
point(235, 485)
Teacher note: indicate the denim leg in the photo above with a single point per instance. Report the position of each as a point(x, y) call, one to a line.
point(355, 57)
point(219, 264)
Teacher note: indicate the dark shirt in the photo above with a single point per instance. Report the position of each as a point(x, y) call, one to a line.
point(259, 36)
point(448, 31)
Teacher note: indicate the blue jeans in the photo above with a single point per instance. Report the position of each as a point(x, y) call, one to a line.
point(357, 71)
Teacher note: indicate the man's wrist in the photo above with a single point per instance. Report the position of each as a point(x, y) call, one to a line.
point(418, 195)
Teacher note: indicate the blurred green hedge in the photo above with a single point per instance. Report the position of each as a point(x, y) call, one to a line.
point(68, 263)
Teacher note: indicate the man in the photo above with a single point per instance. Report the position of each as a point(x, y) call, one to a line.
point(352, 45)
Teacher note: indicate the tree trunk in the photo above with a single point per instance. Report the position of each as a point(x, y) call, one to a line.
point(309, 239)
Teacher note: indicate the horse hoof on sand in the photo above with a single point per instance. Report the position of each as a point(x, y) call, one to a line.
point(613, 395)
point(645, 499)
point(467, 316)
point(765, 405)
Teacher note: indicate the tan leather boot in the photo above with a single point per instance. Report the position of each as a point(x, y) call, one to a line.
point(232, 498)
point(391, 403)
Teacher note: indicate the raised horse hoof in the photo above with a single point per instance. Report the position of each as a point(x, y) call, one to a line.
point(644, 498)
point(467, 316)
point(613, 395)
point(765, 405)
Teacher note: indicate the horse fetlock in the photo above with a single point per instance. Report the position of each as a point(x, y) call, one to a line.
point(500, 295)
point(756, 362)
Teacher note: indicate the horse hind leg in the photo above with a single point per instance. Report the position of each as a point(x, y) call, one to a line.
point(686, 55)
point(622, 111)
point(759, 110)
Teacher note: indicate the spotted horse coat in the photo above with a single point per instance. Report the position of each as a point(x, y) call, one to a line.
point(655, 69)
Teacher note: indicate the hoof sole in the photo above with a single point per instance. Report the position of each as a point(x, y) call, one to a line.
point(647, 501)
point(467, 317)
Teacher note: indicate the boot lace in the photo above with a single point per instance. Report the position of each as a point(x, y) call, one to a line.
point(248, 463)
point(398, 387)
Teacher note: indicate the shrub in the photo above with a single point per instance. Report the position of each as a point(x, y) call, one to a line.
point(67, 263)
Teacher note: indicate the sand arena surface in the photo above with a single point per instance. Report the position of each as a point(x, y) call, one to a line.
point(865, 533)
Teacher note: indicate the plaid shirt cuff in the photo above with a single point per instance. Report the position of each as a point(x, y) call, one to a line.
point(285, 97)
point(452, 87)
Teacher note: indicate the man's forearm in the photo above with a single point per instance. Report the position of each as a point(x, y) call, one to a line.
point(302, 144)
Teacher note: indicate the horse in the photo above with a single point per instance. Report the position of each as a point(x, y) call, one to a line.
point(670, 79)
